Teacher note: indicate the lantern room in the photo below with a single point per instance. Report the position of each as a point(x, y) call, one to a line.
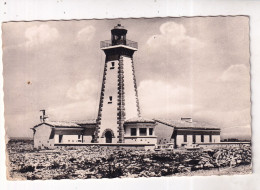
point(118, 35)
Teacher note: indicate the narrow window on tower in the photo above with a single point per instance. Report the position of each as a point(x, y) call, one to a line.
point(112, 65)
point(110, 100)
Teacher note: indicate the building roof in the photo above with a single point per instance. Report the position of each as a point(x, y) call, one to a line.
point(119, 26)
point(187, 124)
point(85, 122)
point(62, 124)
point(139, 120)
point(66, 124)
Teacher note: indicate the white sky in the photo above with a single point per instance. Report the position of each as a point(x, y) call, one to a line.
point(196, 67)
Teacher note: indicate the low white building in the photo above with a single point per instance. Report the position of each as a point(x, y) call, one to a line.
point(186, 131)
point(49, 134)
point(137, 132)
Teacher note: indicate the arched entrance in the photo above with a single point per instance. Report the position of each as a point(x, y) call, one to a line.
point(108, 136)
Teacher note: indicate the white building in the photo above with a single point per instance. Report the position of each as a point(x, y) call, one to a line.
point(186, 131)
point(50, 134)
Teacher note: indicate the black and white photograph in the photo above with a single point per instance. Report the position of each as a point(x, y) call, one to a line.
point(127, 97)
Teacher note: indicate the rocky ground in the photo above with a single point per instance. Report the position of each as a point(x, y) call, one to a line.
point(102, 162)
point(238, 170)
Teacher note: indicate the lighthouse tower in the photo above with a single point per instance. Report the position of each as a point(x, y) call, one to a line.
point(119, 99)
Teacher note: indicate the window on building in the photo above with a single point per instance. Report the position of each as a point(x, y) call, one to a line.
point(185, 138)
point(210, 138)
point(112, 65)
point(79, 136)
point(150, 131)
point(72, 140)
point(193, 139)
point(110, 100)
point(202, 138)
point(133, 131)
point(143, 131)
point(60, 138)
point(47, 141)
point(68, 140)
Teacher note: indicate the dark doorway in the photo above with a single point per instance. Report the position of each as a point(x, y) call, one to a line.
point(108, 136)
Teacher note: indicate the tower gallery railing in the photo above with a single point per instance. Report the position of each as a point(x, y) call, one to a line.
point(108, 43)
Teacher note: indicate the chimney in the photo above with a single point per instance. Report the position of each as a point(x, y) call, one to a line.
point(43, 117)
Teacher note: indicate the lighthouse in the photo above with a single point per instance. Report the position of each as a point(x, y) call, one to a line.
point(119, 119)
